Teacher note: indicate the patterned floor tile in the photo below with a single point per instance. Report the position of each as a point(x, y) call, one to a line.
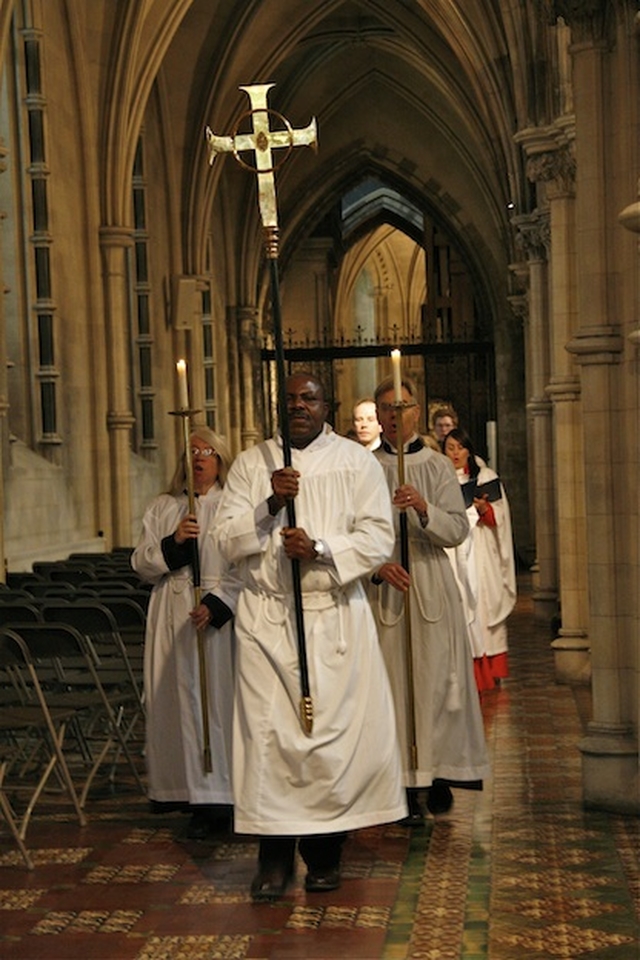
point(519, 871)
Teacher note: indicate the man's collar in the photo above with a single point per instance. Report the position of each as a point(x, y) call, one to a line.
point(323, 436)
point(413, 446)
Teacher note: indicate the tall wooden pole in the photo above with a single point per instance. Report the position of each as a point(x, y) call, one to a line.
point(185, 413)
point(400, 406)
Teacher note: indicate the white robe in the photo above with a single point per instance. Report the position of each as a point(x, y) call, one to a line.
point(174, 732)
point(449, 729)
point(485, 567)
point(347, 773)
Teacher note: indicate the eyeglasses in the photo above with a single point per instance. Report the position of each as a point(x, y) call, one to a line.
point(392, 407)
point(202, 452)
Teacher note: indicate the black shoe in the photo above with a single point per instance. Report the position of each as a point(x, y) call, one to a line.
point(270, 883)
point(439, 797)
point(199, 826)
point(321, 881)
point(412, 820)
point(160, 807)
point(221, 823)
point(415, 817)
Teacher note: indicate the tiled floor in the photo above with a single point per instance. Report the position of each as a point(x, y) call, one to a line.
point(518, 871)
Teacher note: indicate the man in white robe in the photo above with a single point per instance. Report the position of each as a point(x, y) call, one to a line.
point(346, 773)
point(442, 739)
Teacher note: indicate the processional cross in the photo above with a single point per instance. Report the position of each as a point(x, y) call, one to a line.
point(262, 141)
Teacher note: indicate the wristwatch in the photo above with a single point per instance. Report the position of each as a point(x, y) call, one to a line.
point(319, 549)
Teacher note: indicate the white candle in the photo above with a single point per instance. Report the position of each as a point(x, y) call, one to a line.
point(183, 389)
point(397, 375)
point(492, 443)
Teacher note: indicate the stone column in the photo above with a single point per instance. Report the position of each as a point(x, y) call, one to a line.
point(551, 165)
point(630, 220)
point(114, 244)
point(534, 234)
point(609, 751)
point(4, 397)
point(250, 374)
point(571, 647)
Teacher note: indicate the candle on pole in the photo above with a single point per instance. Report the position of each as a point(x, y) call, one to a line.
point(404, 560)
point(397, 375)
point(185, 413)
point(183, 388)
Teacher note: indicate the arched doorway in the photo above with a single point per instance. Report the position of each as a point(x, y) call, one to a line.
point(387, 277)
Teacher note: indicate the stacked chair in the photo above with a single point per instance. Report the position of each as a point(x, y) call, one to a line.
point(32, 730)
point(71, 659)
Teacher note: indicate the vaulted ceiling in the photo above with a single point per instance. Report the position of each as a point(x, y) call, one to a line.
point(424, 95)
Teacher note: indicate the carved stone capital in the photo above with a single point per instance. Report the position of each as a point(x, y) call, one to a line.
point(519, 304)
point(533, 234)
point(247, 321)
point(587, 18)
point(556, 168)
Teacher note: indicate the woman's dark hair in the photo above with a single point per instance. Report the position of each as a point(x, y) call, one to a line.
point(464, 440)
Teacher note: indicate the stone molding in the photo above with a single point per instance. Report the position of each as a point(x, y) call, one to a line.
point(120, 420)
point(593, 345)
point(115, 237)
point(539, 407)
point(563, 389)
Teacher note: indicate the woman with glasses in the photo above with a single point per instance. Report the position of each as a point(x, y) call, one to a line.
point(163, 557)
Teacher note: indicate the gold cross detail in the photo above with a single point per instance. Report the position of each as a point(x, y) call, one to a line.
point(261, 140)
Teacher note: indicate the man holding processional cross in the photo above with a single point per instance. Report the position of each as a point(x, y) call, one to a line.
point(345, 773)
point(315, 752)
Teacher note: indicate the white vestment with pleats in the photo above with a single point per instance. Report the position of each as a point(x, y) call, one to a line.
point(449, 733)
point(174, 737)
point(346, 773)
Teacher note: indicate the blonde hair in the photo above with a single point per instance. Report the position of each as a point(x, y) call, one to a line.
point(444, 410)
point(361, 401)
point(222, 454)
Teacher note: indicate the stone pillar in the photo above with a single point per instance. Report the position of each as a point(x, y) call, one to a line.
point(609, 751)
point(571, 646)
point(534, 234)
point(4, 397)
point(250, 374)
point(630, 220)
point(114, 244)
point(551, 166)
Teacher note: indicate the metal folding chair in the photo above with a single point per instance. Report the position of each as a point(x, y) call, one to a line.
point(31, 744)
point(105, 706)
